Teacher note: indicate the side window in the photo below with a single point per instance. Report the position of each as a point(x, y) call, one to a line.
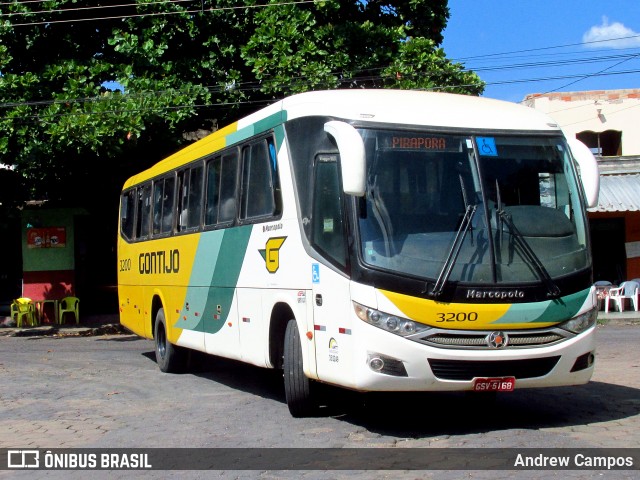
point(167, 205)
point(213, 191)
point(144, 211)
point(127, 211)
point(163, 198)
point(194, 197)
point(258, 186)
point(327, 231)
point(190, 198)
point(158, 189)
point(183, 203)
point(228, 182)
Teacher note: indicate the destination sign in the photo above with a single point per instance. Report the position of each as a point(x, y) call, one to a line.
point(419, 143)
point(432, 143)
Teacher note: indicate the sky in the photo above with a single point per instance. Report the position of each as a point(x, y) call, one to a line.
point(520, 47)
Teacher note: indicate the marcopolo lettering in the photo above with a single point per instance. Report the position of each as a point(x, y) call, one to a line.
point(160, 262)
point(495, 294)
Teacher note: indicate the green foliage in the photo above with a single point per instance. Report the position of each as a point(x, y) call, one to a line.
point(184, 66)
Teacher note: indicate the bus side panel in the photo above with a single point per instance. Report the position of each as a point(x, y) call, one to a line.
point(276, 271)
point(183, 318)
point(252, 322)
point(131, 311)
point(255, 307)
point(333, 327)
point(160, 268)
point(222, 335)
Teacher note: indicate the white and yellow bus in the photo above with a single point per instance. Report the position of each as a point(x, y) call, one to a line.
point(376, 240)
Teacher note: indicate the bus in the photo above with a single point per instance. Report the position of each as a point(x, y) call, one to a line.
point(376, 240)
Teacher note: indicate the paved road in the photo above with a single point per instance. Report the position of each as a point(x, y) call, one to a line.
point(106, 391)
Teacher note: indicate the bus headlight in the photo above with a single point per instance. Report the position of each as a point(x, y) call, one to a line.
point(581, 323)
point(391, 323)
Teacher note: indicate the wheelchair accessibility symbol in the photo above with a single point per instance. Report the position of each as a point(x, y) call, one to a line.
point(315, 273)
point(487, 146)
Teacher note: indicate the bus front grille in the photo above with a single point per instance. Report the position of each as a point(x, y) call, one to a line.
point(478, 340)
point(465, 370)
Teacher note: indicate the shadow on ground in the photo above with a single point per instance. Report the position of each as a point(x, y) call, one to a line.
point(418, 415)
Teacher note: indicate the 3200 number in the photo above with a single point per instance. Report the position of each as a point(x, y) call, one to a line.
point(457, 317)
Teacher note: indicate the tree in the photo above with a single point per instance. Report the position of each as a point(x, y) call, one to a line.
point(89, 88)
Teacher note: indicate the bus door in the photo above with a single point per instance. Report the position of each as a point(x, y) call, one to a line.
point(331, 295)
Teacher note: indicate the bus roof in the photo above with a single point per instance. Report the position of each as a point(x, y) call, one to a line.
point(399, 107)
point(410, 107)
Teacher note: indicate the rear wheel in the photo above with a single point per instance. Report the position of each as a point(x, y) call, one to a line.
point(170, 358)
point(298, 389)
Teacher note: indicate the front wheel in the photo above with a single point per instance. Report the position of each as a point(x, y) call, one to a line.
point(170, 358)
point(298, 388)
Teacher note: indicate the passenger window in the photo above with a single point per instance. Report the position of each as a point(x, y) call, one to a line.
point(183, 195)
point(195, 197)
point(257, 181)
point(144, 211)
point(213, 191)
point(163, 199)
point(127, 211)
point(190, 181)
point(327, 231)
point(222, 172)
point(228, 182)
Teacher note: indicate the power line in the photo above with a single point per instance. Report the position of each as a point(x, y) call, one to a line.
point(22, 2)
point(551, 63)
point(553, 47)
point(99, 7)
point(181, 12)
point(252, 86)
point(593, 75)
point(42, 116)
point(247, 88)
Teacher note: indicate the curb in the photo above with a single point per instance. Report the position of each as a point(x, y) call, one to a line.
point(77, 331)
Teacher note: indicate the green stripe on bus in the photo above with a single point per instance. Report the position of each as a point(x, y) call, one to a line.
point(564, 308)
point(224, 278)
point(551, 311)
point(255, 128)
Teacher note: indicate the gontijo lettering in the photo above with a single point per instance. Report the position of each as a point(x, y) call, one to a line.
point(160, 261)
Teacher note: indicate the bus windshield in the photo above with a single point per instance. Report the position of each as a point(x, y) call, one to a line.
point(475, 209)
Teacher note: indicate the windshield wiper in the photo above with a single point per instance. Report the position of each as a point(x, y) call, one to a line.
point(463, 229)
point(449, 263)
point(529, 255)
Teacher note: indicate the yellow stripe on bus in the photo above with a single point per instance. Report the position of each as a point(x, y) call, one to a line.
point(467, 316)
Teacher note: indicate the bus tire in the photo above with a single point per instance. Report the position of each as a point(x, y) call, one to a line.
point(170, 358)
point(298, 388)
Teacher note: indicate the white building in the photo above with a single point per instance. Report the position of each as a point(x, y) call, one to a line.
point(608, 122)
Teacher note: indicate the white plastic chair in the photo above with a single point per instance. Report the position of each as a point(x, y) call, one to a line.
point(602, 291)
point(626, 290)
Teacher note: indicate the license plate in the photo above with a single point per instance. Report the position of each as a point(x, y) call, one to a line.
point(503, 384)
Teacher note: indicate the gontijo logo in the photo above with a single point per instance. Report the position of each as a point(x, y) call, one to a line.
point(271, 253)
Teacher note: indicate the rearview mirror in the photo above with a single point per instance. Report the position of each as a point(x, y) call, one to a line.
point(352, 157)
point(589, 173)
